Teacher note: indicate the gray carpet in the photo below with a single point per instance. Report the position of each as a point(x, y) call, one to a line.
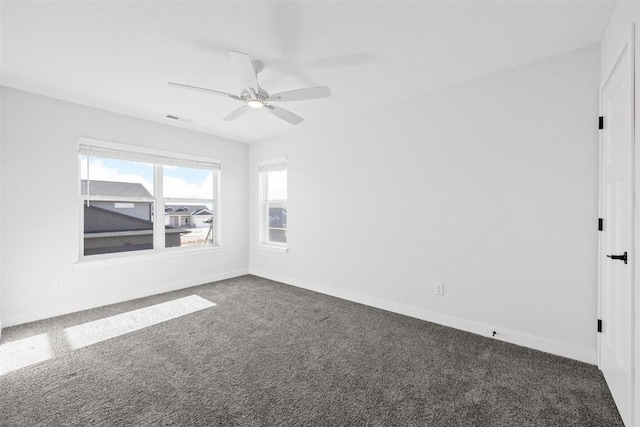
point(270, 354)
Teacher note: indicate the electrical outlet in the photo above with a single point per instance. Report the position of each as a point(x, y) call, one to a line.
point(439, 288)
point(57, 284)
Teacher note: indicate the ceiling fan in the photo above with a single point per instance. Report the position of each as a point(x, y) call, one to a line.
point(253, 96)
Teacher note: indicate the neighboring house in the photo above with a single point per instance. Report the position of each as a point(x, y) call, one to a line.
point(142, 210)
point(277, 217)
point(110, 227)
point(187, 216)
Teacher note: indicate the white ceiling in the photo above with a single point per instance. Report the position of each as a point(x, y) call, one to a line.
point(119, 55)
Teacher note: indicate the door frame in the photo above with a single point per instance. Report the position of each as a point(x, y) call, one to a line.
point(627, 43)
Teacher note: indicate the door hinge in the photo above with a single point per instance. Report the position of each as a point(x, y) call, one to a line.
point(600, 224)
point(601, 122)
point(599, 325)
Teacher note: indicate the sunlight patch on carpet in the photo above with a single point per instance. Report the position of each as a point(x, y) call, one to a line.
point(27, 351)
point(110, 327)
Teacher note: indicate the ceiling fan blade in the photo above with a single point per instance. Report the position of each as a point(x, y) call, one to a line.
point(202, 89)
point(301, 94)
point(283, 114)
point(244, 66)
point(236, 113)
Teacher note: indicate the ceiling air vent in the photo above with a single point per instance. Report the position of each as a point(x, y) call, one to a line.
point(180, 119)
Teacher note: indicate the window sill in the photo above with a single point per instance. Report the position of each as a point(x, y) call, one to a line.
point(271, 248)
point(108, 260)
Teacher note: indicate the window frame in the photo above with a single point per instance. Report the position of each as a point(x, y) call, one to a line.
point(153, 157)
point(263, 229)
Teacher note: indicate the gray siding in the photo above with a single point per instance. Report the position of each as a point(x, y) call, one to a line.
point(106, 231)
point(98, 219)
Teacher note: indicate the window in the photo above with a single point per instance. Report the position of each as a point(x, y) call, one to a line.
point(145, 200)
point(273, 203)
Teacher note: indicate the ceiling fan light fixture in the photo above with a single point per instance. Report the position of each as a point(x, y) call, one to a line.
point(255, 103)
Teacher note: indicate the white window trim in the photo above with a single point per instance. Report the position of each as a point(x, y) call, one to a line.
point(263, 225)
point(138, 256)
point(158, 251)
point(271, 248)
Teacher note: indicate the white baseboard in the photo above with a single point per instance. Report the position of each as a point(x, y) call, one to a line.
point(134, 294)
point(514, 337)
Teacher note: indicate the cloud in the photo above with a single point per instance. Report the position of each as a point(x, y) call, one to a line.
point(97, 169)
point(180, 188)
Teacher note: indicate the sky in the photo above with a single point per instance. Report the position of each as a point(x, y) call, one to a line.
point(178, 182)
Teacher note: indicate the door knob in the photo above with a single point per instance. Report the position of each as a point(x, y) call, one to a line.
point(622, 257)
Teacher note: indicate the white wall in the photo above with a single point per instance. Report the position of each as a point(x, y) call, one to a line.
point(626, 15)
point(0, 214)
point(40, 210)
point(489, 186)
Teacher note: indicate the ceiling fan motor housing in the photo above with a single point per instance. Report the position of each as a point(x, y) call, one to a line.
point(250, 95)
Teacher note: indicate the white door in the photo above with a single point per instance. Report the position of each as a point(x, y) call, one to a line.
point(616, 199)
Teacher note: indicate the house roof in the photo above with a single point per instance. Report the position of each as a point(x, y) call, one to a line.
point(187, 210)
point(112, 188)
point(203, 211)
